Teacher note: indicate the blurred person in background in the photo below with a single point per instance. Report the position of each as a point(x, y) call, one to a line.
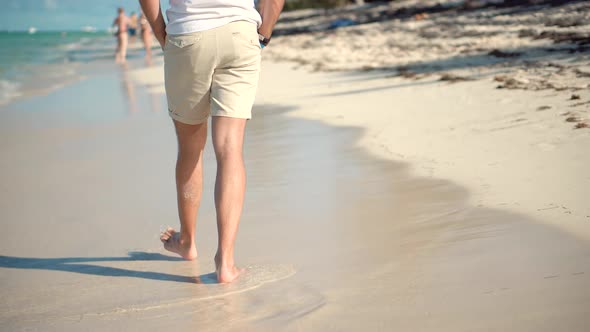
point(211, 68)
point(122, 23)
point(146, 36)
point(132, 24)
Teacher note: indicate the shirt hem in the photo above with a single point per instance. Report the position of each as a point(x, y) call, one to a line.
point(174, 31)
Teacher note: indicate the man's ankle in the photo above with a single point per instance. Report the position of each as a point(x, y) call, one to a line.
point(186, 240)
point(224, 261)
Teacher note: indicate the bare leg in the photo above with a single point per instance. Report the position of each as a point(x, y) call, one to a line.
point(189, 188)
point(230, 185)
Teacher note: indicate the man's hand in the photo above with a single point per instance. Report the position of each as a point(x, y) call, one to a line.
point(161, 38)
point(153, 13)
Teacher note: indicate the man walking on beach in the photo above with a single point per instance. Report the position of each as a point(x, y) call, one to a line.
point(211, 64)
point(122, 22)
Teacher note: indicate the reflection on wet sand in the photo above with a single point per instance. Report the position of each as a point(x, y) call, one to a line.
point(128, 87)
point(155, 102)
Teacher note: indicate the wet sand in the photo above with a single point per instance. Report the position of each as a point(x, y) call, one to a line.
point(334, 236)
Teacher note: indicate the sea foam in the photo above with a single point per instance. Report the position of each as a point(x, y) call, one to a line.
point(9, 91)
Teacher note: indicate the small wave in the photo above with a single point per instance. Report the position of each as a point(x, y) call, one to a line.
point(71, 46)
point(40, 65)
point(254, 277)
point(9, 91)
point(35, 80)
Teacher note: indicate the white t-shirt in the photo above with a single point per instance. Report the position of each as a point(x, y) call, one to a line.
point(186, 16)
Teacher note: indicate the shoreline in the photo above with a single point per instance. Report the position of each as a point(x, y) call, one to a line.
point(63, 61)
point(411, 251)
point(472, 99)
point(373, 203)
point(411, 134)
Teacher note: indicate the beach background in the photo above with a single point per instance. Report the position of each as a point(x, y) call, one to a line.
point(412, 165)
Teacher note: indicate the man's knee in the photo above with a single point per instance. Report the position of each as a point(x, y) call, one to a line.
point(227, 152)
point(228, 138)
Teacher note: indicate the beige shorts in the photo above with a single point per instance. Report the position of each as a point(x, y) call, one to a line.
point(212, 72)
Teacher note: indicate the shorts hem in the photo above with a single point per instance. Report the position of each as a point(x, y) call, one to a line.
point(231, 115)
point(187, 121)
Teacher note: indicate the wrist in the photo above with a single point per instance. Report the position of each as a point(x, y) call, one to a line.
point(264, 30)
point(263, 39)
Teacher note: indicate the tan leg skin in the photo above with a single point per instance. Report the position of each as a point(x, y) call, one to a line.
point(230, 186)
point(189, 188)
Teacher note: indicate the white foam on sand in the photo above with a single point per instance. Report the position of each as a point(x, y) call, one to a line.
point(9, 91)
point(253, 277)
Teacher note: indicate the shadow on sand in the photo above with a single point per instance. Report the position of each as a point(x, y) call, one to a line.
point(78, 265)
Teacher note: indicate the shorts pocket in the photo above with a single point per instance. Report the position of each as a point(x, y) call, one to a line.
point(247, 38)
point(180, 42)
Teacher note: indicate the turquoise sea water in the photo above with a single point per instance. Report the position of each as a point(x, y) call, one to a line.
point(32, 63)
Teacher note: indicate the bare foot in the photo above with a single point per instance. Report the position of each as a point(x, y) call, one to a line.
point(172, 242)
point(226, 273)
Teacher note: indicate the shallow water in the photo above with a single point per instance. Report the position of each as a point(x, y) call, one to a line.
point(37, 64)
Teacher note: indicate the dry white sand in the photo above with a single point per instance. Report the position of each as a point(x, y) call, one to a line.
point(533, 47)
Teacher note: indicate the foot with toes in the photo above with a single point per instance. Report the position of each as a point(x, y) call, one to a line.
point(174, 243)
